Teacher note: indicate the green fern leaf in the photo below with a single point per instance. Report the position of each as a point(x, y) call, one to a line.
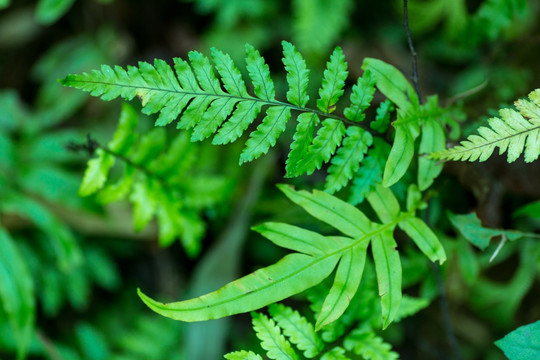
point(259, 73)
point(291, 275)
point(245, 114)
point(385, 204)
point(212, 99)
point(348, 275)
point(149, 147)
point(297, 75)
point(388, 267)
point(371, 171)
point(119, 190)
point(297, 329)
point(361, 97)
point(275, 344)
point(230, 75)
point(144, 204)
point(400, 156)
point(337, 353)
point(382, 118)
point(297, 272)
point(333, 81)
point(243, 355)
point(424, 238)
point(391, 82)
point(302, 139)
point(323, 147)
point(516, 132)
point(433, 140)
point(125, 135)
point(336, 213)
point(154, 178)
point(348, 158)
point(387, 261)
point(295, 238)
point(369, 346)
point(96, 173)
point(204, 72)
point(410, 306)
point(266, 134)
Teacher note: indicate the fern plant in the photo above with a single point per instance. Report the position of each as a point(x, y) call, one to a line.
point(355, 334)
point(196, 95)
point(159, 178)
point(516, 132)
point(317, 256)
point(222, 106)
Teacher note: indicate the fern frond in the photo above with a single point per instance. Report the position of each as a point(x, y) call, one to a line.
point(275, 344)
point(369, 346)
point(211, 97)
point(153, 179)
point(315, 260)
point(297, 329)
point(515, 132)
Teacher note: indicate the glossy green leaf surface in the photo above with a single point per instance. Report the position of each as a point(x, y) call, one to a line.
point(433, 139)
point(400, 156)
point(348, 276)
point(391, 82)
point(337, 213)
point(522, 343)
point(424, 238)
point(388, 267)
point(291, 275)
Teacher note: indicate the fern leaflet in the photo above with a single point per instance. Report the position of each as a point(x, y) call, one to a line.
point(275, 344)
point(515, 132)
point(298, 329)
point(369, 346)
point(243, 355)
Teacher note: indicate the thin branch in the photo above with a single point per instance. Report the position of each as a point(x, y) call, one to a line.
point(445, 311)
point(443, 302)
point(411, 48)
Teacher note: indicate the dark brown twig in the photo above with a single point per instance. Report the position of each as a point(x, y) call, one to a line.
point(411, 48)
point(445, 311)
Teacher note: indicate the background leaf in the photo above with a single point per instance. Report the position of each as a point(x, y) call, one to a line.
point(522, 343)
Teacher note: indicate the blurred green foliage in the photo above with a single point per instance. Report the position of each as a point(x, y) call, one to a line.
point(69, 265)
